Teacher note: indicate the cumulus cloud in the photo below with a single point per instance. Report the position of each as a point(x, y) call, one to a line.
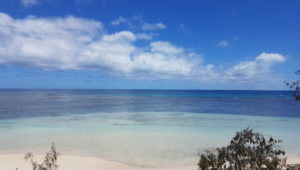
point(223, 44)
point(72, 43)
point(45, 43)
point(64, 44)
point(258, 68)
point(270, 58)
point(28, 3)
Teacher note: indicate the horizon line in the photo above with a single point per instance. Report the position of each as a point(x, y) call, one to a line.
point(140, 89)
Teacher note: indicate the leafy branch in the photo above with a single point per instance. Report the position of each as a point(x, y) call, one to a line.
point(49, 162)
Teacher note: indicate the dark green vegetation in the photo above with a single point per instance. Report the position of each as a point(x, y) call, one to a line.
point(295, 85)
point(247, 150)
point(49, 162)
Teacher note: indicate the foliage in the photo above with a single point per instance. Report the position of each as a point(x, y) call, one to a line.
point(209, 159)
point(247, 149)
point(295, 85)
point(49, 162)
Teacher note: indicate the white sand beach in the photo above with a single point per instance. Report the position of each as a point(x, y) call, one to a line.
point(70, 162)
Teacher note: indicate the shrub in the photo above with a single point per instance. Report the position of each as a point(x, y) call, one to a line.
point(49, 162)
point(247, 149)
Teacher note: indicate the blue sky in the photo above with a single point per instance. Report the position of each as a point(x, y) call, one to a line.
point(135, 44)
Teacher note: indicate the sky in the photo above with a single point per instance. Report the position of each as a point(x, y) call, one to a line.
point(154, 44)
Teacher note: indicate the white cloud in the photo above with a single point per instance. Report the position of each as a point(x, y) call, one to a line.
point(258, 68)
point(270, 58)
point(65, 44)
point(223, 44)
point(28, 3)
point(72, 43)
point(155, 26)
point(165, 48)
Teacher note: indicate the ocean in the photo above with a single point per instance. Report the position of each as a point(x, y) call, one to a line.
point(143, 127)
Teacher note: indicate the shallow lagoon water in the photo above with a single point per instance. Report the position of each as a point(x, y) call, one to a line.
point(140, 138)
point(142, 127)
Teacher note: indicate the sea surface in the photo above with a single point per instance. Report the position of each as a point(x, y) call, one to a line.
point(143, 127)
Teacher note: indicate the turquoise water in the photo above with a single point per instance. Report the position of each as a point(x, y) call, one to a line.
point(155, 139)
point(121, 126)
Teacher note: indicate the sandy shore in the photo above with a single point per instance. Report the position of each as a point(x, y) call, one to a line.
point(69, 162)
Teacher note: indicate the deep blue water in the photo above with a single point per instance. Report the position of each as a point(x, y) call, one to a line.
point(35, 103)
